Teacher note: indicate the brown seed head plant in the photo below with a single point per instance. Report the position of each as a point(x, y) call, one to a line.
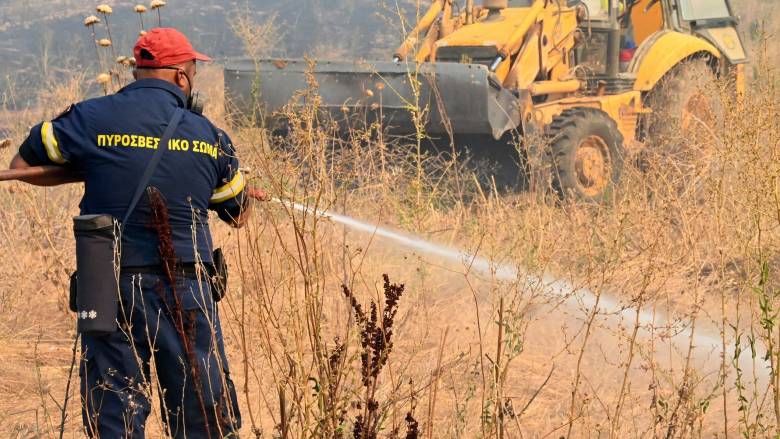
point(375, 329)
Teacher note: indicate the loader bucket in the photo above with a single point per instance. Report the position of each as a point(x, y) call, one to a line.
point(455, 98)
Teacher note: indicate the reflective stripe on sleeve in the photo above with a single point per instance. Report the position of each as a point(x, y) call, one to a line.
point(50, 143)
point(230, 190)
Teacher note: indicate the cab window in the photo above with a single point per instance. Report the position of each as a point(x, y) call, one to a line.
point(703, 9)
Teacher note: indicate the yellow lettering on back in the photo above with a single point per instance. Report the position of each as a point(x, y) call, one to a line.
point(101, 140)
point(134, 140)
point(185, 145)
point(141, 142)
point(125, 140)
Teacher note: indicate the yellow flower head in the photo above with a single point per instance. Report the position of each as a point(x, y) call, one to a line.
point(105, 9)
point(121, 59)
point(104, 78)
point(157, 4)
point(104, 42)
point(89, 21)
point(140, 9)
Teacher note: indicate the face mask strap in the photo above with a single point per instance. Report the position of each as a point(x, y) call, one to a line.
point(178, 69)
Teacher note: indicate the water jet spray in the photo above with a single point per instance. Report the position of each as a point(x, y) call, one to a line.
point(705, 342)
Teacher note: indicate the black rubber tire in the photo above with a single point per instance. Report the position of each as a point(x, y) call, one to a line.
point(568, 136)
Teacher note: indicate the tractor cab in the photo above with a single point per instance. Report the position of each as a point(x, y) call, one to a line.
point(655, 35)
point(713, 20)
point(670, 32)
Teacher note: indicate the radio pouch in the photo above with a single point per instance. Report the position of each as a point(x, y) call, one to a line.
point(97, 265)
point(98, 239)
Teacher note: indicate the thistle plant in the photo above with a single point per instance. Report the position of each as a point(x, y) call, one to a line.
point(108, 71)
point(157, 5)
point(124, 62)
point(106, 10)
point(140, 10)
point(90, 23)
point(104, 79)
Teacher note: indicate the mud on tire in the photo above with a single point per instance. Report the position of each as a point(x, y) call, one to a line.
point(686, 112)
point(682, 101)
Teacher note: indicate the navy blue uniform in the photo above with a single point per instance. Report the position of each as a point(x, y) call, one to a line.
point(110, 140)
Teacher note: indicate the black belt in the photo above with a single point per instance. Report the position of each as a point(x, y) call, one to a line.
point(183, 270)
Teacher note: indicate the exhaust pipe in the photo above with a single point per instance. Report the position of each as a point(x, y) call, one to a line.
point(613, 40)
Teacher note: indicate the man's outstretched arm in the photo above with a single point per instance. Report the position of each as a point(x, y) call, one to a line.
point(46, 175)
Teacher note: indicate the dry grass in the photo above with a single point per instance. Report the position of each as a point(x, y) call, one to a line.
point(476, 353)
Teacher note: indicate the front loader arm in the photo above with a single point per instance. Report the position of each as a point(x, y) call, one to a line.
point(423, 25)
point(515, 41)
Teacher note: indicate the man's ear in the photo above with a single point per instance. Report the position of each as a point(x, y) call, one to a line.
point(181, 81)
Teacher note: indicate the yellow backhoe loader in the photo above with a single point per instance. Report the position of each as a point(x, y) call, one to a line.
point(581, 74)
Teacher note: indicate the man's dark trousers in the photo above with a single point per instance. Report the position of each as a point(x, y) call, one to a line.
point(177, 331)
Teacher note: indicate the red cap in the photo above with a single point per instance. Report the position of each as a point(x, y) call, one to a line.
point(167, 47)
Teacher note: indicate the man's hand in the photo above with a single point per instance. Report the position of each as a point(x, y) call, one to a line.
point(258, 194)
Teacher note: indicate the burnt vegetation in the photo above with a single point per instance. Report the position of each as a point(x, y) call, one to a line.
point(375, 328)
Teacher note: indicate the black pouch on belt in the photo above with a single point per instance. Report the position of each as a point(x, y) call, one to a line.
point(218, 275)
point(97, 273)
point(97, 259)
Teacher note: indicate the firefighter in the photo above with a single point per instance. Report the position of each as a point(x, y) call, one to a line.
point(166, 316)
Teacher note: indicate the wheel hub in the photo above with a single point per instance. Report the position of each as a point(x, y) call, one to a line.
point(591, 164)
